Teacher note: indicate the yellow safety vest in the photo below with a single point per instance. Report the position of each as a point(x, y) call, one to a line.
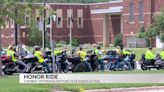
point(149, 55)
point(97, 53)
point(56, 52)
point(83, 55)
point(12, 54)
point(39, 55)
point(162, 55)
point(126, 52)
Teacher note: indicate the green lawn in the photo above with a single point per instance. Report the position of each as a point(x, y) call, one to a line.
point(9, 83)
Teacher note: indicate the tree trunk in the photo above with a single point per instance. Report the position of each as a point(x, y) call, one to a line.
point(0, 55)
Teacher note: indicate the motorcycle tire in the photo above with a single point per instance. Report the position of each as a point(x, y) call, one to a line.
point(79, 68)
point(143, 67)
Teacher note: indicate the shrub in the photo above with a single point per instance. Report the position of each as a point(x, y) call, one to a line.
point(62, 42)
point(75, 42)
point(59, 45)
point(118, 40)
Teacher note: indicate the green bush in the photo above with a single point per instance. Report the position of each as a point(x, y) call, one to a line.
point(62, 42)
point(59, 45)
point(118, 40)
point(75, 42)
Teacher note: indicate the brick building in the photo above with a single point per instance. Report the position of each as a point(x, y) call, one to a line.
point(95, 22)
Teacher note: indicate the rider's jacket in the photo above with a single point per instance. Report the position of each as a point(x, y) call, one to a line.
point(125, 52)
point(39, 55)
point(57, 52)
point(162, 55)
point(12, 54)
point(149, 55)
point(81, 54)
point(98, 53)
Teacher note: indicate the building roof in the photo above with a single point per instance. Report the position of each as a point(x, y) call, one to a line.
point(110, 10)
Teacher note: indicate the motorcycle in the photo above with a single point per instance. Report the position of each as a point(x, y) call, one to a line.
point(148, 64)
point(9, 67)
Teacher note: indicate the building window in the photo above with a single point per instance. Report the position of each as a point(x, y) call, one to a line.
point(59, 21)
point(12, 23)
point(59, 14)
point(27, 20)
point(141, 7)
point(49, 20)
point(80, 21)
point(80, 18)
point(69, 18)
point(37, 19)
point(132, 11)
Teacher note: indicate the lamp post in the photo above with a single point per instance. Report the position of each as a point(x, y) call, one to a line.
point(44, 26)
point(52, 18)
point(0, 53)
point(16, 30)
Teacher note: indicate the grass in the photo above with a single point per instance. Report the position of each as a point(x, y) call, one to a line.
point(9, 83)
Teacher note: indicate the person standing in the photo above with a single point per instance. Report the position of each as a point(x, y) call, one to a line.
point(99, 53)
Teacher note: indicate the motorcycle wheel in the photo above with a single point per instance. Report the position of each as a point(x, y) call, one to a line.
point(8, 73)
point(143, 67)
point(79, 68)
point(158, 67)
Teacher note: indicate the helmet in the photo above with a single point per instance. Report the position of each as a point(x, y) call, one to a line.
point(36, 47)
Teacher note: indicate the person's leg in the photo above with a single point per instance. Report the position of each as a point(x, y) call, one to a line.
point(59, 66)
point(101, 64)
point(22, 64)
point(128, 64)
point(47, 66)
point(110, 65)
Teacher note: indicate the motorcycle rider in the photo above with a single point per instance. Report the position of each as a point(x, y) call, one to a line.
point(59, 60)
point(82, 54)
point(118, 50)
point(162, 55)
point(12, 52)
point(126, 59)
point(149, 56)
point(99, 53)
point(41, 59)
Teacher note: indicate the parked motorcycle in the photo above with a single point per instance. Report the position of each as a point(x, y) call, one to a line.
point(148, 64)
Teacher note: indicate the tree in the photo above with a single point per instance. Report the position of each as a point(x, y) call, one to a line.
point(7, 12)
point(157, 27)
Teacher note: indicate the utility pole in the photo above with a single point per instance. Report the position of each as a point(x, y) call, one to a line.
point(44, 26)
point(16, 30)
point(52, 18)
point(0, 53)
point(70, 30)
